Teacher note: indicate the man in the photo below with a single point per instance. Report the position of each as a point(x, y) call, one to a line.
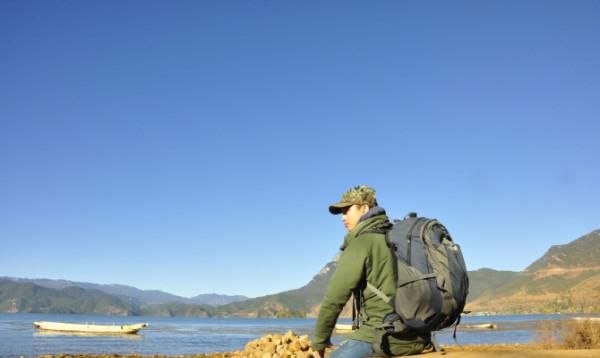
point(365, 257)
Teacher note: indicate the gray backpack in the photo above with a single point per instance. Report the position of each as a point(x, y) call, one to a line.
point(432, 282)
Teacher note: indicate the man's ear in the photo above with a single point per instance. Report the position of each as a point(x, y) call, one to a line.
point(364, 209)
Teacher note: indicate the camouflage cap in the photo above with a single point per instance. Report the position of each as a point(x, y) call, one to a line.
point(359, 195)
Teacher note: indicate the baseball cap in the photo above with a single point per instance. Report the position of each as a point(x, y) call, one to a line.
point(358, 195)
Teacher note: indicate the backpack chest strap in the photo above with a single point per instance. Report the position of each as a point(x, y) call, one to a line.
point(387, 299)
point(380, 294)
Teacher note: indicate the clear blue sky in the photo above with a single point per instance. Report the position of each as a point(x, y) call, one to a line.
point(194, 146)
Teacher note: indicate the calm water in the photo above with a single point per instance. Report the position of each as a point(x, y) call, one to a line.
point(174, 336)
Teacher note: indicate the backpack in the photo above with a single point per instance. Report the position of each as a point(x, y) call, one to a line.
point(432, 282)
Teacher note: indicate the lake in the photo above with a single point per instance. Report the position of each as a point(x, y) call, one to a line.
point(177, 335)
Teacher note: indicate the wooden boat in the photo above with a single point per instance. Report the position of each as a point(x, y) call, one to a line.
point(90, 328)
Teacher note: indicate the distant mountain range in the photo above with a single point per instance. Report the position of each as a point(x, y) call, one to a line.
point(565, 279)
point(61, 296)
point(27, 297)
point(132, 293)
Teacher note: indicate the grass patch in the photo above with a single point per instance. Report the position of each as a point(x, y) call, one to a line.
point(569, 334)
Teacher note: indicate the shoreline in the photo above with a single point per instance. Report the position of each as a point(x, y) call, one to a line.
point(492, 351)
point(563, 339)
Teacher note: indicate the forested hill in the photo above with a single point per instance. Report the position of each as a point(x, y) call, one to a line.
point(26, 297)
point(17, 297)
point(565, 279)
point(583, 253)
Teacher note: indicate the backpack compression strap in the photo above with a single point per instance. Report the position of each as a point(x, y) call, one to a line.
point(356, 305)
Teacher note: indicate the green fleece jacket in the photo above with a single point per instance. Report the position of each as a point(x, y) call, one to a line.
point(365, 257)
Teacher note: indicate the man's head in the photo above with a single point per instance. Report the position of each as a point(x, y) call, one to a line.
point(354, 204)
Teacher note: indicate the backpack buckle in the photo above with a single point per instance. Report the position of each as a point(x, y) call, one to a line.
point(393, 323)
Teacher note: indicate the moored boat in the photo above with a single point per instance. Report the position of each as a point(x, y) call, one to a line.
point(479, 326)
point(343, 328)
point(90, 328)
point(587, 318)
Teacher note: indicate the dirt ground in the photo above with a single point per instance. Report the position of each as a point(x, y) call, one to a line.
point(513, 352)
point(540, 353)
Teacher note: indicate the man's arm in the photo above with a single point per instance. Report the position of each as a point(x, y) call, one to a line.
point(347, 276)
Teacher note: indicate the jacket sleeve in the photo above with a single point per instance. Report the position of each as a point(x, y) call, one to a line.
point(347, 276)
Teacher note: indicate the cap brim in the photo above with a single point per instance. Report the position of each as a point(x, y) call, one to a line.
point(338, 208)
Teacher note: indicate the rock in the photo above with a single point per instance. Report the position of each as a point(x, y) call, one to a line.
point(277, 339)
point(288, 337)
point(288, 345)
point(304, 342)
point(270, 347)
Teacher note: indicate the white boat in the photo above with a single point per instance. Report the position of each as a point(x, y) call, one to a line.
point(90, 328)
point(586, 318)
point(343, 328)
point(479, 326)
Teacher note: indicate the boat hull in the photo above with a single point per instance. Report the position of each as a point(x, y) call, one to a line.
point(90, 328)
point(343, 328)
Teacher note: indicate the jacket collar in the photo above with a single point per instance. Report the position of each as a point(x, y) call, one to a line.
point(374, 211)
point(375, 217)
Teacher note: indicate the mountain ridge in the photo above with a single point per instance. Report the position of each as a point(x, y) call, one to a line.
point(580, 254)
point(565, 279)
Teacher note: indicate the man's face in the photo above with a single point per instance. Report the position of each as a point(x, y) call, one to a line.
point(352, 214)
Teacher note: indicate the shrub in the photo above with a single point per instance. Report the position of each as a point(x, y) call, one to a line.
point(582, 334)
point(569, 334)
